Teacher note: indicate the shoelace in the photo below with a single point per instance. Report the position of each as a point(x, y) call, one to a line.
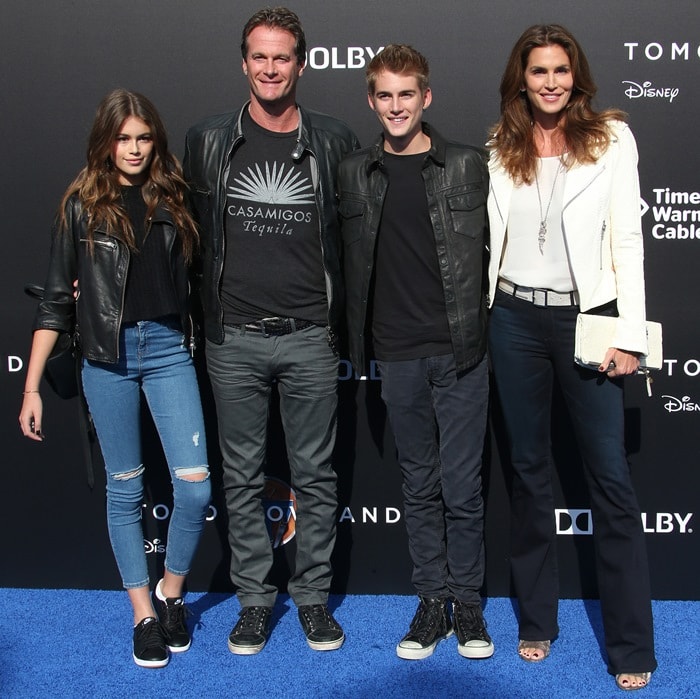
point(469, 619)
point(426, 620)
point(174, 613)
point(151, 633)
point(318, 615)
point(252, 618)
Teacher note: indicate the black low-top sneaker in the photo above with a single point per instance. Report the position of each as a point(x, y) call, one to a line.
point(172, 614)
point(431, 624)
point(149, 644)
point(473, 640)
point(251, 632)
point(322, 631)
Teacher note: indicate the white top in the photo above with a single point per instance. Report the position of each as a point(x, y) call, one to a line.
point(525, 262)
point(602, 225)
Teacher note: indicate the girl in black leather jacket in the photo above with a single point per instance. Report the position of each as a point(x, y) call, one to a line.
point(125, 233)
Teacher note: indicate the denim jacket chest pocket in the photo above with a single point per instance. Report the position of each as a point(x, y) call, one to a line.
point(467, 212)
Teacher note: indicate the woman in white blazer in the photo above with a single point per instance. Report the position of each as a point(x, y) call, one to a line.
point(564, 210)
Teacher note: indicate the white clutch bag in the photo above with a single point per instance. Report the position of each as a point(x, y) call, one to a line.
point(594, 337)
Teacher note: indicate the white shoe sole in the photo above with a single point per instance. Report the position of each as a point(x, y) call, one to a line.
point(329, 645)
point(408, 653)
point(476, 652)
point(180, 649)
point(150, 663)
point(246, 650)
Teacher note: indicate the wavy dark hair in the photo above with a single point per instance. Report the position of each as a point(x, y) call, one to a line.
point(97, 184)
point(277, 18)
point(586, 131)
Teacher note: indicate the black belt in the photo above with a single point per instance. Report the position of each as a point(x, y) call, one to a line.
point(272, 327)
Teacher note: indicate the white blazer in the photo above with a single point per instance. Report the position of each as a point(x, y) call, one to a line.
point(601, 221)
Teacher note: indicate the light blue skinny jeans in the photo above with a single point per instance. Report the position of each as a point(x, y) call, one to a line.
point(153, 359)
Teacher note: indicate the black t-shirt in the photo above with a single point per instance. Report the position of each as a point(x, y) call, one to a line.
point(409, 317)
point(149, 291)
point(273, 264)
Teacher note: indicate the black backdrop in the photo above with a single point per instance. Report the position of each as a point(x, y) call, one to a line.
point(59, 59)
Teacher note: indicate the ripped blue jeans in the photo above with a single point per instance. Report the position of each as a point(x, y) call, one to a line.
point(153, 359)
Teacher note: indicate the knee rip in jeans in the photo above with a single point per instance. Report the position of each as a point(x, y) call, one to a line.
point(193, 473)
point(128, 475)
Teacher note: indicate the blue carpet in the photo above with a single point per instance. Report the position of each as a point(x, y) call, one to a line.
point(73, 643)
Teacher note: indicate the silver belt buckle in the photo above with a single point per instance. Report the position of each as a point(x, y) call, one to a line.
point(263, 326)
point(539, 297)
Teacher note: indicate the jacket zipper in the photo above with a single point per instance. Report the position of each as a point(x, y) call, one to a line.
point(190, 330)
point(317, 186)
point(222, 214)
point(104, 243)
point(121, 303)
point(113, 245)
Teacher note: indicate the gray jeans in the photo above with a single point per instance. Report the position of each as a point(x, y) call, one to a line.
point(242, 371)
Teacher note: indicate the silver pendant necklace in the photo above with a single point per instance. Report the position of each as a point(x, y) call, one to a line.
point(543, 217)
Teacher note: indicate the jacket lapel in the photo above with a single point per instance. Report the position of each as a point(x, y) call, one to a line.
point(501, 188)
point(579, 179)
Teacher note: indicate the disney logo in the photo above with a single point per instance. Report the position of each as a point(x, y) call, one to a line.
point(646, 89)
point(680, 405)
point(155, 546)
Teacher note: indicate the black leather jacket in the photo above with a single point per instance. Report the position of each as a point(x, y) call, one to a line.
point(456, 184)
point(209, 148)
point(97, 314)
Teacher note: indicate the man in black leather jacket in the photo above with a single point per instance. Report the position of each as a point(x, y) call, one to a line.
point(263, 191)
point(414, 228)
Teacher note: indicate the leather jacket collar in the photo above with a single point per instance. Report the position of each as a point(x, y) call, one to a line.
point(303, 131)
point(375, 156)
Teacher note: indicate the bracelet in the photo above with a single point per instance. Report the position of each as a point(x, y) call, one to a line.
point(24, 393)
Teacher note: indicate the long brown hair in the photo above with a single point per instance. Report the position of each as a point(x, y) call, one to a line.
point(586, 131)
point(97, 184)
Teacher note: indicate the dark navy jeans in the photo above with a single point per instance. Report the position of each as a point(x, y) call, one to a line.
point(530, 348)
point(438, 418)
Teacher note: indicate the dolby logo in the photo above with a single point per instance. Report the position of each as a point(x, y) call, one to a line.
point(572, 522)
